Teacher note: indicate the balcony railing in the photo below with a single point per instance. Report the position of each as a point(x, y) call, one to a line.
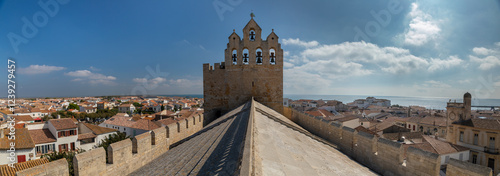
point(491, 150)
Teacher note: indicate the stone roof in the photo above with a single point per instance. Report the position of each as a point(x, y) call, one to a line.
point(63, 124)
point(97, 130)
point(42, 136)
point(23, 139)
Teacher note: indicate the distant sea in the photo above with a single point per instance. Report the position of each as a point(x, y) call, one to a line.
point(427, 102)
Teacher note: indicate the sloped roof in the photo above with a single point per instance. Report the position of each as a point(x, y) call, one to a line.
point(86, 136)
point(144, 124)
point(42, 136)
point(63, 124)
point(6, 170)
point(23, 139)
point(97, 130)
point(489, 124)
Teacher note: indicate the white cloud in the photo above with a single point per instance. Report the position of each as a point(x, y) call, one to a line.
point(299, 42)
point(440, 64)
point(486, 58)
point(39, 69)
point(92, 78)
point(422, 28)
point(151, 83)
point(436, 84)
point(350, 57)
point(466, 81)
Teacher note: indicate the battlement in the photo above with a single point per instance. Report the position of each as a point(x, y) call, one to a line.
point(381, 155)
point(216, 66)
point(125, 156)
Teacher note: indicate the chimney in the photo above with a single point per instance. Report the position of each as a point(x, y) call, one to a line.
point(1, 134)
point(58, 116)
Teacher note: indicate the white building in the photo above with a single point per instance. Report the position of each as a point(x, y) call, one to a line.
point(126, 108)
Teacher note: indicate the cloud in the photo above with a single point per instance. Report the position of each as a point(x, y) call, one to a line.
point(422, 28)
point(440, 64)
point(486, 58)
point(39, 69)
point(298, 42)
point(436, 84)
point(92, 78)
point(153, 83)
point(349, 59)
point(466, 81)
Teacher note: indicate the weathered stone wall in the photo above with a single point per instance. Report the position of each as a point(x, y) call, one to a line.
point(461, 168)
point(125, 156)
point(227, 85)
point(381, 155)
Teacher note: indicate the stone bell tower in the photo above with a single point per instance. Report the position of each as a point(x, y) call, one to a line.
point(253, 67)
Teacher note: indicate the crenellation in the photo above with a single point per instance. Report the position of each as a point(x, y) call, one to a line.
point(141, 143)
point(120, 152)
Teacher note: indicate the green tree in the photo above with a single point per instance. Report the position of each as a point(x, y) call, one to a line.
point(73, 106)
point(137, 105)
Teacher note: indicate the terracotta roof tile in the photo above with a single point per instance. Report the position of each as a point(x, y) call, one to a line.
point(62, 124)
point(86, 136)
point(42, 136)
point(23, 139)
point(97, 130)
point(144, 124)
point(6, 170)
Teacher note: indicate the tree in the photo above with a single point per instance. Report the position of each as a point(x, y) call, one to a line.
point(73, 106)
point(137, 105)
point(162, 107)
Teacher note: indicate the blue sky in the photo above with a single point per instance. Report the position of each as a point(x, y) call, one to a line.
point(407, 48)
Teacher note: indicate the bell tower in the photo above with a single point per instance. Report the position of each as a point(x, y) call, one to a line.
point(253, 67)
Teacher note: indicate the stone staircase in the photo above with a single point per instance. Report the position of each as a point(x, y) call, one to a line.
point(300, 130)
point(214, 150)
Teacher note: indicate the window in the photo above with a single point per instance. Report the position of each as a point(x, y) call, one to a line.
point(258, 56)
point(492, 143)
point(476, 138)
point(461, 139)
point(491, 163)
point(474, 158)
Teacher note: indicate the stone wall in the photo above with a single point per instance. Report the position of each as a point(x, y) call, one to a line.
point(381, 155)
point(54, 168)
point(125, 156)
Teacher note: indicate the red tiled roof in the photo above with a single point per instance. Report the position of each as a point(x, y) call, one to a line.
point(144, 124)
point(62, 124)
point(23, 139)
point(86, 136)
point(6, 170)
point(42, 136)
point(99, 130)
